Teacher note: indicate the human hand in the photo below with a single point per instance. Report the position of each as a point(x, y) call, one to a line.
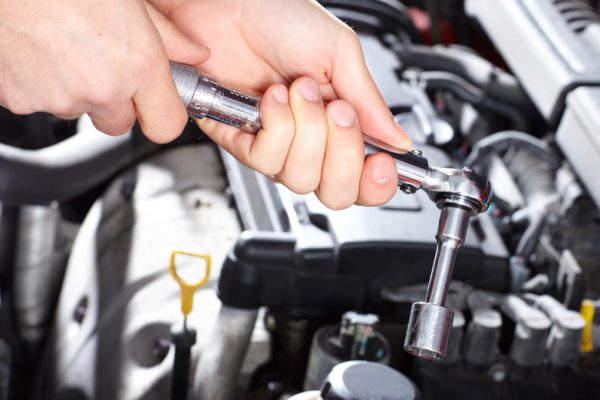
point(312, 132)
point(102, 57)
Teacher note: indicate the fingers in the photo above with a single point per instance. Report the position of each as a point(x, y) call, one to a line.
point(379, 180)
point(302, 170)
point(343, 164)
point(266, 151)
point(272, 144)
point(353, 83)
point(116, 119)
point(160, 111)
point(158, 106)
point(179, 47)
point(310, 147)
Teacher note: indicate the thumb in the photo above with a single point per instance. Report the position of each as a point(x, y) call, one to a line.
point(179, 47)
point(353, 82)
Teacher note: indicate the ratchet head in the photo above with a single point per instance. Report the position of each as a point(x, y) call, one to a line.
point(459, 188)
point(444, 186)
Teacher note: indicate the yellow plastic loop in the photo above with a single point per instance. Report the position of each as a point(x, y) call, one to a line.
point(587, 313)
point(187, 289)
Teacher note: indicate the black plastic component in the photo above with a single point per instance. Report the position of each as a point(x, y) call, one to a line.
point(5, 360)
point(328, 262)
point(183, 339)
point(503, 381)
point(268, 269)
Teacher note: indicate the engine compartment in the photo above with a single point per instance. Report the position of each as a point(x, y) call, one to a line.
point(506, 88)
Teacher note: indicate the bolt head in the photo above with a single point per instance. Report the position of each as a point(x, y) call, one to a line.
point(408, 189)
point(498, 373)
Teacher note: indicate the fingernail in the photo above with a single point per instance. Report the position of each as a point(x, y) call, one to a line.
point(403, 138)
point(382, 173)
point(342, 114)
point(309, 89)
point(280, 94)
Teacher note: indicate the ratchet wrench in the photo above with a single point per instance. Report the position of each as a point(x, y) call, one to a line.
point(459, 193)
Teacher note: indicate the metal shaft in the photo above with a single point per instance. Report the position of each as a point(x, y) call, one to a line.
point(430, 323)
point(452, 230)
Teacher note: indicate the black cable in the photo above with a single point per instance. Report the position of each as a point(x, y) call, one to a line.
point(472, 95)
point(478, 71)
point(432, 11)
point(392, 15)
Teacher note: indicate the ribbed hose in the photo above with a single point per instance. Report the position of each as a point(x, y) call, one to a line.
point(577, 13)
point(496, 83)
point(532, 166)
point(473, 95)
point(502, 141)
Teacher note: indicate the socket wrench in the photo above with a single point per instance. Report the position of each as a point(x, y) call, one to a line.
point(459, 193)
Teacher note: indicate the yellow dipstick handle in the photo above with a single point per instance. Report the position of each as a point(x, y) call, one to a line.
point(587, 312)
point(187, 289)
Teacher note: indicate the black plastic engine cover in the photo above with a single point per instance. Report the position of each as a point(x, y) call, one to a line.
point(323, 261)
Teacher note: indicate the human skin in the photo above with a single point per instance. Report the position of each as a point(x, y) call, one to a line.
point(101, 57)
point(311, 142)
point(111, 61)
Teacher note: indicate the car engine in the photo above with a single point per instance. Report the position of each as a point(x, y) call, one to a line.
point(304, 302)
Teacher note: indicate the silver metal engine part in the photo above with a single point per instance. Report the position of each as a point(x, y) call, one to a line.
point(111, 331)
point(565, 336)
point(531, 331)
point(578, 136)
point(545, 51)
point(39, 265)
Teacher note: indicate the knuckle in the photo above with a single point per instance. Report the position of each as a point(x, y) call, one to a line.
point(163, 133)
point(338, 197)
point(117, 129)
point(20, 108)
point(350, 37)
point(143, 59)
point(303, 186)
point(269, 168)
point(62, 105)
point(103, 96)
point(17, 106)
point(336, 203)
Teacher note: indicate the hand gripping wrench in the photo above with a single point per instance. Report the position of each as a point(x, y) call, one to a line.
point(460, 194)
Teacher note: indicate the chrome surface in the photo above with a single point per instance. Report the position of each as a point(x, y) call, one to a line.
point(430, 323)
point(452, 230)
point(203, 97)
point(428, 330)
point(565, 335)
point(528, 346)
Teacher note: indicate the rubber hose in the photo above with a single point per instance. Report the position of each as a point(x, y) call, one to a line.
point(496, 83)
point(472, 95)
point(504, 140)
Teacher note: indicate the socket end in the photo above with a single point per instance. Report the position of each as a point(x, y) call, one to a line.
point(428, 331)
